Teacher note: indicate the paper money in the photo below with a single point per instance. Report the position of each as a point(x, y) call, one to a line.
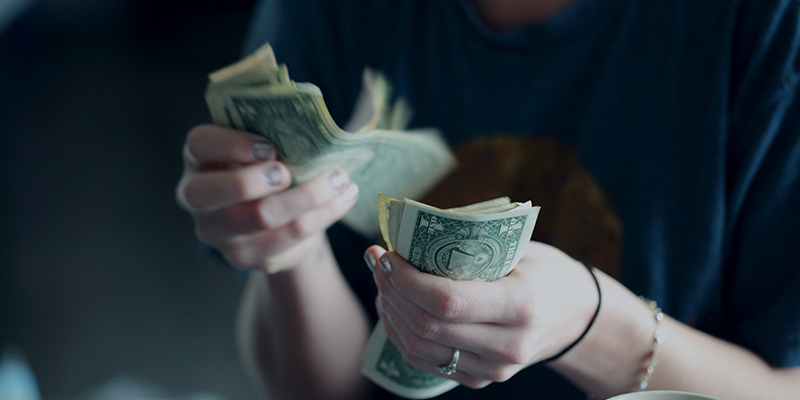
point(257, 95)
point(480, 242)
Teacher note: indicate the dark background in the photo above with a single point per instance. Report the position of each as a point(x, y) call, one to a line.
point(101, 275)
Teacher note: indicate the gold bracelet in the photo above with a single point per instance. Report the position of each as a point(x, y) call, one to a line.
point(658, 340)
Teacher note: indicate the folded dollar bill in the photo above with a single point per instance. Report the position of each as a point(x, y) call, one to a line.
point(257, 95)
point(480, 242)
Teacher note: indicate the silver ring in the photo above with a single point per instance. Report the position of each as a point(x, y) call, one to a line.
point(450, 369)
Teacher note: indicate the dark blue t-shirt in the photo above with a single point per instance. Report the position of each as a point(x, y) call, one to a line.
point(677, 122)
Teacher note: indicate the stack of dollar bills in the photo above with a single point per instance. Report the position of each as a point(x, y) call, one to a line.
point(480, 242)
point(257, 95)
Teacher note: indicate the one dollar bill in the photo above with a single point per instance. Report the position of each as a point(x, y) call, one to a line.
point(257, 95)
point(481, 242)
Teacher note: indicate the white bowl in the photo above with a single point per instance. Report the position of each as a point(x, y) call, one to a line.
point(662, 395)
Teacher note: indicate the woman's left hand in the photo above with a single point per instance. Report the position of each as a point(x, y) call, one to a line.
point(500, 327)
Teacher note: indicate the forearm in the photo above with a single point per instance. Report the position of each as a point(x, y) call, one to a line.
point(611, 358)
point(697, 362)
point(301, 332)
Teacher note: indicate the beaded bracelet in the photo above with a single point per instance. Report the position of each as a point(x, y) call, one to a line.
point(658, 340)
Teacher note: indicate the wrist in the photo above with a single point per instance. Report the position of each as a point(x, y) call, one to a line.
point(574, 343)
point(609, 360)
point(300, 267)
point(305, 253)
point(658, 339)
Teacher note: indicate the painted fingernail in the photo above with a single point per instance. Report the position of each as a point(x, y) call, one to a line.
point(338, 179)
point(386, 265)
point(262, 151)
point(274, 175)
point(369, 258)
point(350, 193)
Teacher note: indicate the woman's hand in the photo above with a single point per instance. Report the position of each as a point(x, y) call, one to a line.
point(238, 195)
point(500, 327)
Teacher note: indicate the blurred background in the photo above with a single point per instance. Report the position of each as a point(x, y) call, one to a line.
point(101, 276)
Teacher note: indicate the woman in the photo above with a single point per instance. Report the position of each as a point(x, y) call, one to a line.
point(661, 139)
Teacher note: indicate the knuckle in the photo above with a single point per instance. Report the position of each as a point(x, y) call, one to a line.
point(501, 374)
point(195, 137)
point(448, 305)
point(238, 257)
point(514, 353)
point(475, 383)
point(415, 347)
point(524, 311)
point(238, 187)
point(423, 326)
point(310, 195)
point(194, 194)
point(300, 228)
point(266, 216)
point(310, 224)
point(383, 285)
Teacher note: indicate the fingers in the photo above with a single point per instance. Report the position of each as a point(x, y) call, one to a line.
point(214, 190)
point(278, 210)
point(211, 149)
point(501, 343)
point(475, 337)
point(481, 339)
point(260, 249)
point(213, 144)
point(471, 370)
point(248, 212)
point(448, 300)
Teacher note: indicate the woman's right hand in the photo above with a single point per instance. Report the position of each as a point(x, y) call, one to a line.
point(239, 197)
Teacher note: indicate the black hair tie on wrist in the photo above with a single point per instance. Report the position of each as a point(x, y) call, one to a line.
point(594, 317)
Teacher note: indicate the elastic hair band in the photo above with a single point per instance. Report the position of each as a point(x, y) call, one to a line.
point(594, 317)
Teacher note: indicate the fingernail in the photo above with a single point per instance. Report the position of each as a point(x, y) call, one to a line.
point(351, 192)
point(386, 265)
point(338, 179)
point(263, 151)
point(274, 175)
point(369, 258)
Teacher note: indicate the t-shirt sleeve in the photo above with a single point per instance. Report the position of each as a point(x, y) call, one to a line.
point(319, 41)
point(764, 183)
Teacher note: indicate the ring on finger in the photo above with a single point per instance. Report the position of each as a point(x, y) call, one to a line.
point(450, 369)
